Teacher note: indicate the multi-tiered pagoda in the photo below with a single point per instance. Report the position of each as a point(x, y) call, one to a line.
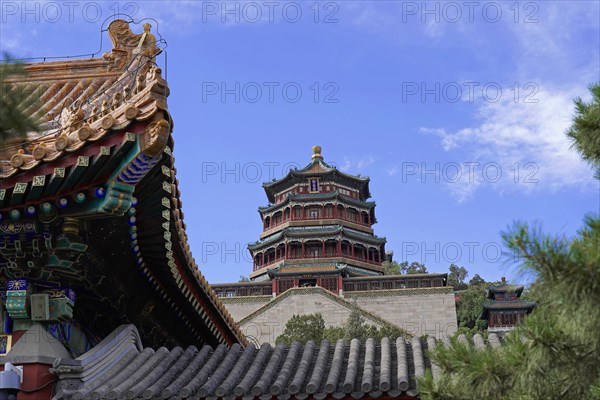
point(318, 224)
point(318, 254)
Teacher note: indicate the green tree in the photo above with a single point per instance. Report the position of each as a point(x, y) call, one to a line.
point(414, 268)
point(585, 130)
point(555, 353)
point(457, 276)
point(334, 333)
point(302, 328)
point(243, 278)
point(403, 268)
point(391, 268)
point(356, 326)
point(14, 101)
point(476, 280)
point(469, 307)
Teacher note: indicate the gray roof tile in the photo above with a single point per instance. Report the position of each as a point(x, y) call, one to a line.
point(120, 368)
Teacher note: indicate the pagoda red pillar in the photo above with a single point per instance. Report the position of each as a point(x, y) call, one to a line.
point(323, 249)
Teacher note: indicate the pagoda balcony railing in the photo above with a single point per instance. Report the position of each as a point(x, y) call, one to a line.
point(276, 223)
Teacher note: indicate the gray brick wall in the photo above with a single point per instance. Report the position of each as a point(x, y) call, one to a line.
point(419, 314)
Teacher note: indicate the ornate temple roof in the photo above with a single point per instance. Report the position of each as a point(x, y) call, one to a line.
point(508, 305)
point(82, 101)
point(299, 232)
point(120, 367)
point(317, 168)
point(303, 198)
point(505, 288)
point(103, 158)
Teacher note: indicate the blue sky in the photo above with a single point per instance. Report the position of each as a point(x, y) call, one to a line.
point(456, 110)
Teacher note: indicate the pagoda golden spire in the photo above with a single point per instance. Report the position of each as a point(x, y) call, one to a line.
point(317, 153)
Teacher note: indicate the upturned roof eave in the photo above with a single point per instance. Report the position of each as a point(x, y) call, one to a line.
point(317, 196)
point(271, 187)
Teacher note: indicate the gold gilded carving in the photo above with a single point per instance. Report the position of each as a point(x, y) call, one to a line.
point(105, 108)
point(117, 99)
point(85, 132)
point(140, 83)
point(71, 225)
point(131, 112)
point(107, 122)
point(17, 160)
point(61, 142)
point(154, 139)
point(126, 44)
point(39, 151)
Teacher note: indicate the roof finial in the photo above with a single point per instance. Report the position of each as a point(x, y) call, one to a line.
point(317, 153)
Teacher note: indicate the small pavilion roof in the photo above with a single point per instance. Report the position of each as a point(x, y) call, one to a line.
point(504, 288)
point(508, 305)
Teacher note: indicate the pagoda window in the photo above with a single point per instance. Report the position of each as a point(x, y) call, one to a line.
point(313, 213)
point(313, 251)
point(329, 283)
point(330, 248)
point(277, 219)
point(297, 212)
point(329, 211)
point(267, 223)
point(365, 218)
point(351, 215)
point(230, 293)
point(413, 283)
point(285, 284)
point(286, 214)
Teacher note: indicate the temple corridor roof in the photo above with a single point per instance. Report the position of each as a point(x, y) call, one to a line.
point(121, 368)
point(103, 160)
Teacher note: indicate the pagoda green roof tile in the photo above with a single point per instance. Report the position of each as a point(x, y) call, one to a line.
point(300, 197)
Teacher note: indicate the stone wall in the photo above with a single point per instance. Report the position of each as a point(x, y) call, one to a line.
point(419, 311)
point(424, 311)
point(241, 307)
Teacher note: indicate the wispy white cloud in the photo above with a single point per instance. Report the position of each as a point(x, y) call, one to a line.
point(392, 171)
point(526, 142)
point(365, 162)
